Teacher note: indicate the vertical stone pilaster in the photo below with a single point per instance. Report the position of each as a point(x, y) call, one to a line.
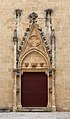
point(53, 69)
point(53, 91)
point(15, 48)
point(15, 66)
point(47, 73)
point(16, 59)
point(19, 91)
point(14, 95)
point(48, 23)
point(51, 40)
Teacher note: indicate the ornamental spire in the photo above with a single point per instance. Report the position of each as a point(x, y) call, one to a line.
point(33, 17)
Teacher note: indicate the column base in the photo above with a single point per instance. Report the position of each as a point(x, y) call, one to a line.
point(19, 106)
point(53, 108)
point(14, 109)
point(49, 108)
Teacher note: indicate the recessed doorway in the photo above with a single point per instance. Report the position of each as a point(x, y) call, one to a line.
point(34, 89)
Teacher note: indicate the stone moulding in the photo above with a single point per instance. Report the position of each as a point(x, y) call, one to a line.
point(47, 53)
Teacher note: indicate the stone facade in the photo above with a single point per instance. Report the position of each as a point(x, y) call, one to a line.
point(61, 24)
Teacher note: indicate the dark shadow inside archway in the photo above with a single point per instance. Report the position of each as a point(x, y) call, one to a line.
point(34, 89)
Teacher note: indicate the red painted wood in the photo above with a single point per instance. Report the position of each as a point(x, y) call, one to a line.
point(34, 89)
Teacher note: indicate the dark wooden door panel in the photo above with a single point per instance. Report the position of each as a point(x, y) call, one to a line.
point(34, 89)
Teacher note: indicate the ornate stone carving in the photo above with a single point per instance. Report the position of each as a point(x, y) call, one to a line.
point(32, 17)
point(50, 89)
point(26, 64)
point(41, 64)
point(34, 64)
point(34, 41)
point(50, 72)
point(33, 58)
point(18, 12)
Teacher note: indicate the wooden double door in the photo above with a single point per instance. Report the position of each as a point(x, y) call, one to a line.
point(34, 89)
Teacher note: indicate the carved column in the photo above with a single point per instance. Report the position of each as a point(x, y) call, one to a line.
point(53, 69)
point(15, 66)
point(51, 40)
point(47, 74)
point(19, 106)
point(16, 59)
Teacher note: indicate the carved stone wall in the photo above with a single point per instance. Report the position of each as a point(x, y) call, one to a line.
point(61, 21)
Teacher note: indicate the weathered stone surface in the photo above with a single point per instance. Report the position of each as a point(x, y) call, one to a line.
point(61, 22)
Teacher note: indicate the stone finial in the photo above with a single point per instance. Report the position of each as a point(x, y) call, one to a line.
point(32, 17)
point(48, 11)
point(18, 12)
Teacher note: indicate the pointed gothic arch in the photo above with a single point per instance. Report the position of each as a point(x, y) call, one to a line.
point(34, 45)
point(38, 52)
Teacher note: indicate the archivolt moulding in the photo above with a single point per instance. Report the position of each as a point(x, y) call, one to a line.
point(24, 55)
